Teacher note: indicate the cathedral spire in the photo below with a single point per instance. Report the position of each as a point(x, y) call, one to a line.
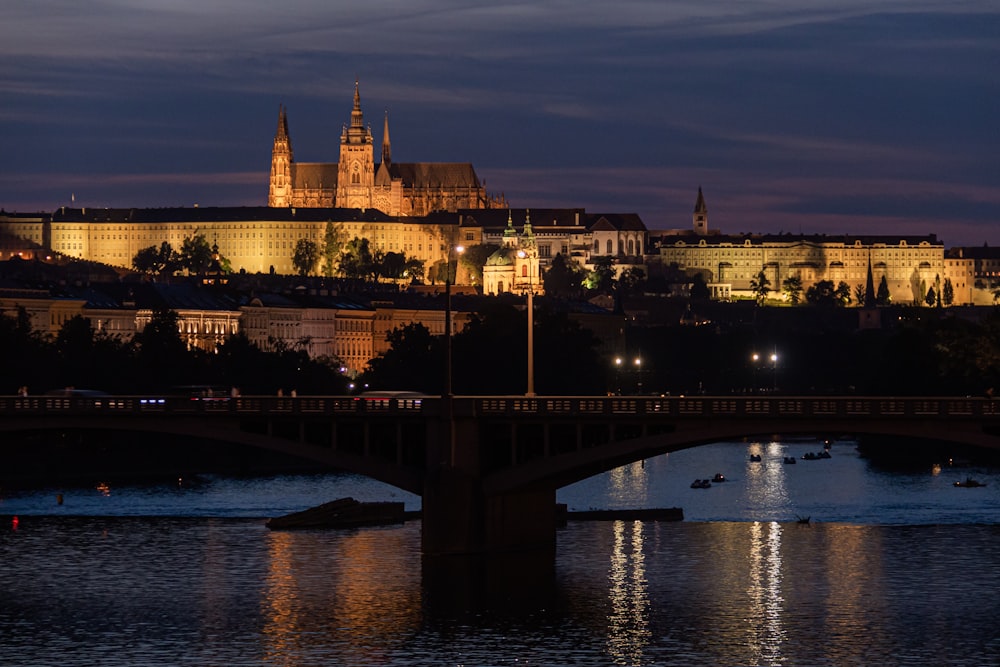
point(281, 138)
point(357, 118)
point(386, 151)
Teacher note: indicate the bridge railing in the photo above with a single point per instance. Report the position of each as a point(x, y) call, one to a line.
point(739, 406)
point(674, 407)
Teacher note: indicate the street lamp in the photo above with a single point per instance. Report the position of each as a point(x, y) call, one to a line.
point(754, 358)
point(638, 375)
point(447, 318)
point(618, 382)
point(774, 370)
point(531, 326)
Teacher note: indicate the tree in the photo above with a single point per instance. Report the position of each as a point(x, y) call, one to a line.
point(843, 293)
point(948, 296)
point(563, 278)
point(699, 288)
point(823, 293)
point(196, 253)
point(305, 257)
point(882, 296)
point(859, 294)
point(474, 259)
point(602, 278)
point(155, 260)
point(631, 280)
point(333, 240)
point(760, 285)
point(931, 297)
point(356, 260)
point(792, 288)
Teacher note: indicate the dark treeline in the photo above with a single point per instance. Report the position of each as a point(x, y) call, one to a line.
point(157, 360)
point(916, 351)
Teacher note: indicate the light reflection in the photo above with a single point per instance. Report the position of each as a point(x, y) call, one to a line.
point(629, 484)
point(104, 489)
point(280, 619)
point(766, 630)
point(628, 622)
point(767, 489)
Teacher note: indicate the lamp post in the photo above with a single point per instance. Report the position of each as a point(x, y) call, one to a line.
point(618, 382)
point(754, 358)
point(638, 375)
point(774, 370)
point(447, 319)
point(531, 327)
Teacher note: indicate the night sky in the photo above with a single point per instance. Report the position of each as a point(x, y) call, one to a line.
point(828, 116)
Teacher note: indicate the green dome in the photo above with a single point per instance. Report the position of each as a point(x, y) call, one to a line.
point(502, 257)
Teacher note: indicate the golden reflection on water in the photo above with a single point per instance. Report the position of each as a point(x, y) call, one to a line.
point(628, 622)
point(280, 622)
point(358, 590)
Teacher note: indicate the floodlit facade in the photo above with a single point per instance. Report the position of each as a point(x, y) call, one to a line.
point(911, 265)
point(357, 181)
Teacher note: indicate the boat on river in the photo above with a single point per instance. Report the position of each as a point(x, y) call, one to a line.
point(969, 483)
point(342, 513)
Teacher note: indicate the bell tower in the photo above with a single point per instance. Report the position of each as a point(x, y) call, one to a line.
point(280, 191)
point(700, 217)
point(356, 171)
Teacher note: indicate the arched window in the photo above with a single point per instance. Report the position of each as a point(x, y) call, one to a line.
point(631, 247)
point(524, 270)
point(638, 247)
point(499, 287)
point(610, 251)
point(597, 247)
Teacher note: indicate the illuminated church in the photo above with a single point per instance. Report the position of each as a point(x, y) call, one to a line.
point(358, 182)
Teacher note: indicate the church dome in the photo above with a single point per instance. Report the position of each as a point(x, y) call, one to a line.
point(502, 257)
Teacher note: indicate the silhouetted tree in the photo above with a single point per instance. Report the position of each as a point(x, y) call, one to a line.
point(305, 256)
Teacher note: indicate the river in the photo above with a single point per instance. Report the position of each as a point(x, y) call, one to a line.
point(895, 567)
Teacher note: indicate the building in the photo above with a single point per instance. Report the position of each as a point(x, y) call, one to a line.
point(910, 265)
point(357, 181)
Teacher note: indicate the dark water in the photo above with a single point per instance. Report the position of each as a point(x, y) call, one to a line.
point(894, 569)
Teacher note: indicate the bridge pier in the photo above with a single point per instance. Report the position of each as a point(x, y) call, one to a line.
point(459, 518)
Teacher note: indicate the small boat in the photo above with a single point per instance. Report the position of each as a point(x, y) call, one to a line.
point(789, 459)
point(969, 483)
point(719, 477)
point(342, 513)
point(803, 519)
point(755, 458)
point(701, 484)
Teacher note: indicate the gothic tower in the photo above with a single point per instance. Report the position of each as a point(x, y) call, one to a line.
point(356, 173)
point(700, 217)
point(280, 192)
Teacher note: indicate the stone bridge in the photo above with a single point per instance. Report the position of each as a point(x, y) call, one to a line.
point(487, 467)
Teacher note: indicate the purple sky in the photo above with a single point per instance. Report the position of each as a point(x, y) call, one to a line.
point(832, 116)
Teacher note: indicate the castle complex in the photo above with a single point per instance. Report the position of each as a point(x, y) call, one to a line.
point(911, 265)
point(356, 181)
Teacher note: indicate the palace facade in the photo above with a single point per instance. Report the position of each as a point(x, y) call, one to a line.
point(357, 181)
point(911, 265)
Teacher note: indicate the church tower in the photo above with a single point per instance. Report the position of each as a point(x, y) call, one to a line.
point(700, 217)
point(280, 192)
point(356, 173)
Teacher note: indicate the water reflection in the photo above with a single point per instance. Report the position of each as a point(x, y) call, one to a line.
point(628, 621)
point(765, 601)
point(630, 484)
point(767, 484)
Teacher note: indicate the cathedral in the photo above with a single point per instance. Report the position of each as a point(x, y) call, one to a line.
point(357, 181)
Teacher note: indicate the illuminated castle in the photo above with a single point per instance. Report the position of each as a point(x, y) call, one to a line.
point(357, 181)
